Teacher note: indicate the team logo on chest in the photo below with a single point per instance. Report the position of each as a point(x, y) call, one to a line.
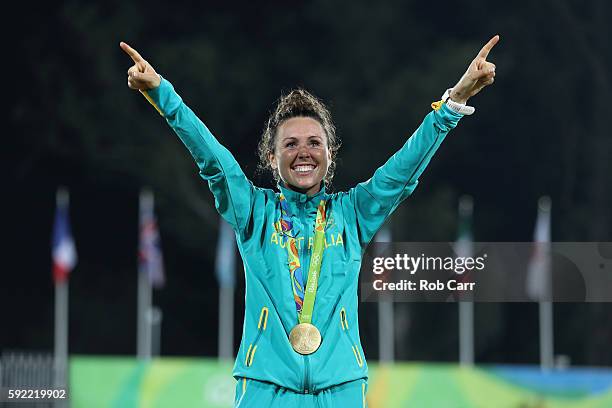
point(331, 239)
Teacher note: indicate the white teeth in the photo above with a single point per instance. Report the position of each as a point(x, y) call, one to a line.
point(304, 168)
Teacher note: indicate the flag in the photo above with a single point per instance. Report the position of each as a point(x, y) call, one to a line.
point(538, 269)
point(150, 256)
point(226, 255)
point(63, 251)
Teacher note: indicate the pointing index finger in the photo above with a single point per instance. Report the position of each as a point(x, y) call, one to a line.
point(484, 52)
point(131, 52)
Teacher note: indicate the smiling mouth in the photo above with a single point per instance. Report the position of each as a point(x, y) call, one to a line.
point(304, 169)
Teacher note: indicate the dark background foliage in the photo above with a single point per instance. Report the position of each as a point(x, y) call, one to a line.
point(543, 128)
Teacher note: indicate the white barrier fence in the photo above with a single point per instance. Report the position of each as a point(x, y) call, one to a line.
point(31, 371)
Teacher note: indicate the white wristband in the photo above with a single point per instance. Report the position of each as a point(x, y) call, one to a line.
point(455, 106)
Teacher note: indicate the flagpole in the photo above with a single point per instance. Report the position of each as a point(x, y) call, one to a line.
point(155, 317)
point(386, 329)
point(466, 308)
point(545, 306)
point(226, 323)
point(144, 332)
point(225, 271)
point(144, 326)
point(466, 333)
point(61, 314)
point(546, 335)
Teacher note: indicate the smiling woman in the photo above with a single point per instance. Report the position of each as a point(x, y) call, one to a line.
point(301, 156)
point(296, 352)
point(300, 132)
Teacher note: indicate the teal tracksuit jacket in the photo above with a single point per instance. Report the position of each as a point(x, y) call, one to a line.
point(353, 217)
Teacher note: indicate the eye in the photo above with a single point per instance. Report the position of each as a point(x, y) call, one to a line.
point(315, 143)
point(290, 144)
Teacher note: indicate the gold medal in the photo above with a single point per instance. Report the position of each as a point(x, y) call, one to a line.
point(305, 338)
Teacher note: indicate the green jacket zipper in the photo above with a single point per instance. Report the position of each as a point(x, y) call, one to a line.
point(306, 375)
point(305, 268)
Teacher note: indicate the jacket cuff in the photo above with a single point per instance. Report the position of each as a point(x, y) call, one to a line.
point(163, 98)
point(446, 118)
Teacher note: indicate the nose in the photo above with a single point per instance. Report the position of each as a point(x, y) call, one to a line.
point(303, 152)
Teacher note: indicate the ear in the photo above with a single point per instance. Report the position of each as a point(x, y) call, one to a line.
point(272, 160)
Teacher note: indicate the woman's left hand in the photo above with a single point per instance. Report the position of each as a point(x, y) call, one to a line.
point(479, 74)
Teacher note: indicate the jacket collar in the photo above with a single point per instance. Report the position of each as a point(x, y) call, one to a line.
point(297, 197)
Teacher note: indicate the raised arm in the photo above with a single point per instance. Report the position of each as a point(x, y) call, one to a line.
point(375, 199)
point(232, 190)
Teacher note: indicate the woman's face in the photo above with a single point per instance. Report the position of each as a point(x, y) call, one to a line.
point(301, 154)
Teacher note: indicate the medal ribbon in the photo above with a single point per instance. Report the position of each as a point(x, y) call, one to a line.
point(304, 295)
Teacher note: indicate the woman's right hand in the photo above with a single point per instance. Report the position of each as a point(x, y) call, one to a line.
point(141, 75)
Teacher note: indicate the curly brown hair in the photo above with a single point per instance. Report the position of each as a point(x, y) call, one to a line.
point(298, 103)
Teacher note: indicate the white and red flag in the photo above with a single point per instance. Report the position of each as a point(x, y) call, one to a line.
point(63, 250)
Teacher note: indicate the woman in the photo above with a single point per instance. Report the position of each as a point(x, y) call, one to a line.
point(301, 243)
